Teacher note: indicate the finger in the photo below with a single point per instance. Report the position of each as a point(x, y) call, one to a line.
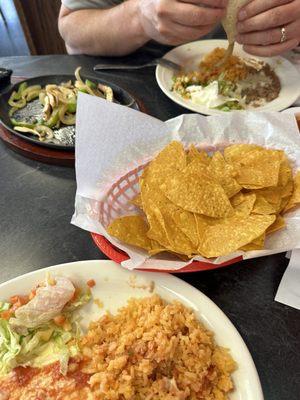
point(192, 15)
point(278, 16)
point(256, 7)
point(270, 36)
point(209, 3)
point(181, 33)
point(272, 50)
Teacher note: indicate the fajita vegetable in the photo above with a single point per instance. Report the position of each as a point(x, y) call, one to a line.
point(54, 106)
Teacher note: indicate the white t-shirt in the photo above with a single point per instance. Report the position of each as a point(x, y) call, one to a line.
point(217, 33)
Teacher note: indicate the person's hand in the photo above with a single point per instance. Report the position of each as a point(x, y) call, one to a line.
point(175, 22)
point(260, 25)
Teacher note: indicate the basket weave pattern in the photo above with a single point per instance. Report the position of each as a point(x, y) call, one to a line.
point(118, 199)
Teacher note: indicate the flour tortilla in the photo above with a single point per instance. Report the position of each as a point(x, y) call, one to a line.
point(229, 23)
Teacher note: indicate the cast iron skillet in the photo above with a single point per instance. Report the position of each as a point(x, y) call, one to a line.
point(121, 95)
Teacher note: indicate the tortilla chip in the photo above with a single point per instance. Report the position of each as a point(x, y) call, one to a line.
point(195, 204)
point(234, 233)
point(295, 199)
point(272, 194)
point(256, 244)
point(152, 202)
point(131, 229)
point(197, 193)
point(236, 152)
point(224, 174)
point(171, 159)
point(285, 172)
point(262, 206)
point(186, 221)
point(278, 224)
point(137, 201)
point(259, 168)
point(194, 154)
point(237, 199)
point(245, 206)
point(287, 190)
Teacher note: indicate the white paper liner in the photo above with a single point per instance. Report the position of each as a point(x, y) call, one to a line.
point(113, 140)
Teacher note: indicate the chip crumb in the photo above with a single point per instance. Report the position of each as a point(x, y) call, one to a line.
point(132, 282)
point(98, 303)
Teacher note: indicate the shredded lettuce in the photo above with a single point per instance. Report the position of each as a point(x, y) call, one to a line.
point(28, 345)
point(39, 347)
point(4, 306)
point(10, 347)
point(82, 299)
point(229, 106)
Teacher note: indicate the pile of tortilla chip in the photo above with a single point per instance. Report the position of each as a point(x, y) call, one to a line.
point(193, 203)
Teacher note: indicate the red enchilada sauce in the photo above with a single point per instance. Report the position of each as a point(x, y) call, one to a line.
point(34, 381)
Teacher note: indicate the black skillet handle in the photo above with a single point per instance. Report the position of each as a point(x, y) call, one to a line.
point(5, 75)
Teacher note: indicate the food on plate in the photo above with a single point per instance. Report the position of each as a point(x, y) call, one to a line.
point(49, 113)
point(210, 204)
point(149, 349)
point(229, 24)
point(237, 84)
point(41, 328)
point(155, 350)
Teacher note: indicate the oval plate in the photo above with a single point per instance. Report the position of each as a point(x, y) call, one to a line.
point(189, 55)
point(121, 95)
point(113, 290)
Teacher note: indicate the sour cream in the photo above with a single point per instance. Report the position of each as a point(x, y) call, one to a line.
point(207, 95)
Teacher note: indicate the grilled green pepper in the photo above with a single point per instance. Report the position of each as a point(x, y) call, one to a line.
point(53, 119)
point(16, 101)
point(21, 123)
point(90, 84)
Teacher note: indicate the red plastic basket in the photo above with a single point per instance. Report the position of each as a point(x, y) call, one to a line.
point(119, 256)
point(117, 203)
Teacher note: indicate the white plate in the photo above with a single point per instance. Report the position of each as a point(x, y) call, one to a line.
point(292, 110)
point(190, 54)
point(113, 290)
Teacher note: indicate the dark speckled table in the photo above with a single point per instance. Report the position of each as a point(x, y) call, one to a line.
point(36, 204)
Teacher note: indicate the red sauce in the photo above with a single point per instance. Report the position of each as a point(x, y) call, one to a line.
point(24, 375)
point(54, 369)
point(20, 380)
point(80, 378)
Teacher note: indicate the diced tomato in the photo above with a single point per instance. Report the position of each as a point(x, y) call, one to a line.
point(59, 320)
point(6, 314)
point(20, 300)
point(91, 283)
point(32, 294)
point(76, 294)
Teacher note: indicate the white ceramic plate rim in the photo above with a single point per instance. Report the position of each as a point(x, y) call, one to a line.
point(286, 71)
point(112, 287)
point(292, 110)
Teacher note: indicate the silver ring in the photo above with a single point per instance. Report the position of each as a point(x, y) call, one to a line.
point(283, 35)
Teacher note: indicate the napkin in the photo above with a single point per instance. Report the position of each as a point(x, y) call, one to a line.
point(289, 289)
point(112, 140)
